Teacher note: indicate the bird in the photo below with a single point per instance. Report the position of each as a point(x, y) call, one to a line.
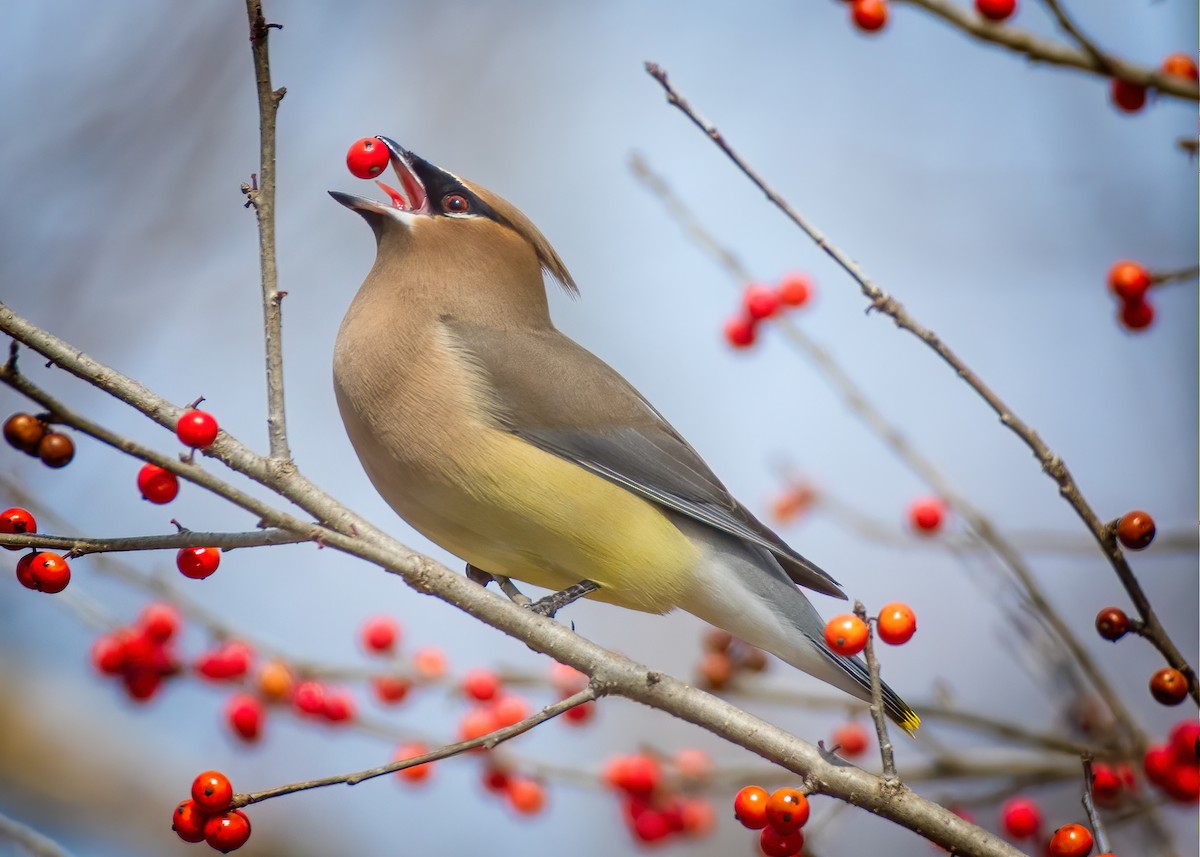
point(514, 448)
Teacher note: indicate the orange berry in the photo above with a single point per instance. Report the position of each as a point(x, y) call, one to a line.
point(1181, 65)
point(795, 290)
point(390, 689)
point(850, 739)
point(16, 521)
point(1128, 280)
point(1169, 686)
point(275, 681)
point(1128, 97)
point(417, 773)
point(188, 821)
point(1136, 530)
point(750, 807)
point(429, 662)
point(1071, 840)
point(792, 502)
point(481, 684)
point(526, 796)
point(228, 831)
point(509, 710)
point(869, 15)
point(846, 634)
point(48, 571)
point(787, 810)
point(476, 723)
point(212, 791)
point(716, 670)
point(897, 623)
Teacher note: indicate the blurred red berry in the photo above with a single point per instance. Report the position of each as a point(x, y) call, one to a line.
point(1112, 623)
point(141, 684)
point(197, 563)
point(846, 634)
point(16, 521)
point(367, 158)
point(760, 302)
point(1137, 315)
point(1128, 280)
point(851, 739)
point(750, 807)
point(927, 514)
point(1136, 530)
point(1128, 97)
point(1106, 785)
point(1021, 817)
point(869, 15)
point(477, 722)
point(772, 843)
point(1071, 840)
point(108, 653)
point(740, 331)
point(228, 831)
point(787, 810)
point(897, 623)
point(481, 684)
point(792, 502)
point(636, 775)
point(510, 709)
point(996, 10)
point(229, 661)
point(159, 621)
point(156, 484)
point(309, 698)
point(650, 826)
point(1168, 686)
point(693, 764)
point(566, 679)
point(1158, 764)
point(390, 689)
point(197, 429)
point(580, 714)
point(245, 715)
point(339, 707)
point(188, 821)
point(212, 791)
point(697, 816)
point(1181, 65)
point(49, 572)
point(795, 290)
point(379, 634)
point(526, 796)
point(417, 773)
point(1183, 783)
point(1184, 741)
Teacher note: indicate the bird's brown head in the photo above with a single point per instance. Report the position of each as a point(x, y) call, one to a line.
point(441, 223)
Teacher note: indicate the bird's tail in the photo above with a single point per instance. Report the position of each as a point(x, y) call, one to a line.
point(895, 707)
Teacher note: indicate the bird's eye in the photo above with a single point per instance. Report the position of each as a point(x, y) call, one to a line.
point(455, 203)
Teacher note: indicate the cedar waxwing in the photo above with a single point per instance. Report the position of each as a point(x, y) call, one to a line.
point(519, 451)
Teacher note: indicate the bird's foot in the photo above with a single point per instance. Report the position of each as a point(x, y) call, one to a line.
point(554, 602)
point(510, 589)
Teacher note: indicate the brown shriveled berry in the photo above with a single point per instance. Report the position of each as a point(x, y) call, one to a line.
point(56, 449)
point(1169, 686)
point(24, 432)
point(1112, 623)
point(1136, 529)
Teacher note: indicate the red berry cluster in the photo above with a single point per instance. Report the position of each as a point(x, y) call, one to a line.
point(1174, 767)
point(1130, 283)
point(44, 571)
point(779, 816)
point(141, 655)
point(847, 634)
point(652, 805)
point(317, 701)
point(209, 816)
point(762, 302)
point(724, 657)
point(525, 795)
point(32, 435)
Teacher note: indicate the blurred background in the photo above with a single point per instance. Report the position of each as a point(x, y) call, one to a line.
point(988, 194)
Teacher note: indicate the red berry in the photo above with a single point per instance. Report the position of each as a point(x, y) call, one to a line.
point(495, 780)
point(850, 739)
point(417, 773)
point(212, 791)
point(510, 710)
point(141, 684)
point(750, 807)
point(1071, 840)
point(1158, 764)
point(108, 653)
point(996, 10)
point(1128, 280)
point(49, 572)
point(1106, 785)
point(697, 816)
point(1136, 530)
point(1137, 315)
point(389, 689)
point(760, 302)
point(481, 685)
point(379, 634)
point(580, 713)
point(740, 331)
point(367, 158)
point(897, 623)
point(197, 429)
point(526, 796)
point(159, 622)
point(1112, 623)
point(245, 715)
point(197, 563)
point(566, 679)
point(1128, 97)
point(1181, 65)
point(156, 484)
point(650, 825)
point(693, 764)
point(24, 432)
point(429, 662)
point(775, 844)
point(927, 514)
point(787, 810)
point(846, 634)
point(1184, 741)
point(635, 775)
point(1169, 686)
point(869, 15)
point(23, 575)
point(1183, 783)
point(309, 698)
point(1021, 817)
point(339, 707)
point(795, 290)
point(228, 831)
point(16, 521)
point(56, 449)
point(188, 821)
point(230, 661)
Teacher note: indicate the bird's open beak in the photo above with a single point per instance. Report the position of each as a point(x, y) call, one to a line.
point(413, 201)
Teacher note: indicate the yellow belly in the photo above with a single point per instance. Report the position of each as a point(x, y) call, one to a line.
point(510, 508)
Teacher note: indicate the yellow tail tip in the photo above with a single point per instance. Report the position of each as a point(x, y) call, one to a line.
point(911, 722)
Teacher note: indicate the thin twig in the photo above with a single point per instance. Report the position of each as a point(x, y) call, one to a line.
point(886, 751)
point(487, 741)
point(1102, 60)
point(1051, 463)
point(29, 840)
point(1039, 49)
point(264, 206)
point(80, 546)
point(1182, 275)
point(1089, 806)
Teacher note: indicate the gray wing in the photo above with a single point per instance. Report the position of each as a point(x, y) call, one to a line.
point(560, 397)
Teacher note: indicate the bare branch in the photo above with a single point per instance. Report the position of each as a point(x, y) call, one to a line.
point(81, 546)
